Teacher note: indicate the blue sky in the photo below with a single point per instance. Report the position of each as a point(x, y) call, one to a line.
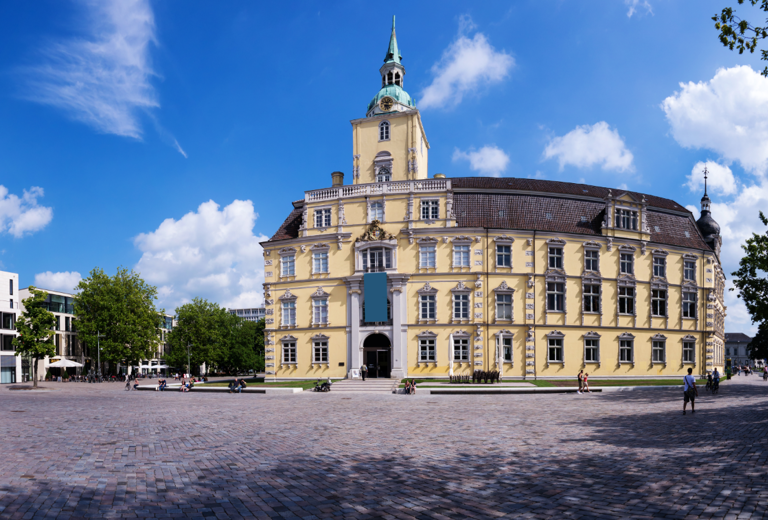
point(171, 136)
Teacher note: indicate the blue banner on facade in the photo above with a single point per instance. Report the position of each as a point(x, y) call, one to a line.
point(375, 287)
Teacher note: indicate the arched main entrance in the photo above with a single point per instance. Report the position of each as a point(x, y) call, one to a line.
point(377, 353)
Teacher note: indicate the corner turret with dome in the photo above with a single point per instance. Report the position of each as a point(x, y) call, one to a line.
point(391, 97)
point(707, 225)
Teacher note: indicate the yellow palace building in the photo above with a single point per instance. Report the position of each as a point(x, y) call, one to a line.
point(424, 277)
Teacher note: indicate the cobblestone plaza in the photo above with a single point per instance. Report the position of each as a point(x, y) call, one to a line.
point(95, 451)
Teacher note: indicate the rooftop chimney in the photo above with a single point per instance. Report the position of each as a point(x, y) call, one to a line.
point(337, 179)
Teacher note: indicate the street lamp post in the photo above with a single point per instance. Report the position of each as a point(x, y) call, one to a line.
point(99, 335)
point(189, 363)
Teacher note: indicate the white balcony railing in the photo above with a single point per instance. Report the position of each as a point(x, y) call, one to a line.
point(379, 188)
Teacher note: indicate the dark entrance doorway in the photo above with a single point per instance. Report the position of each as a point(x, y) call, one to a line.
point(377, 355)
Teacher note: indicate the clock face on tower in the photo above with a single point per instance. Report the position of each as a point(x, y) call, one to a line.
point(386, 104)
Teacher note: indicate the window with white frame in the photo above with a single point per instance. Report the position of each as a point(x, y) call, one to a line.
point(384, 175)
point(591, 260)
point(555, 296)
point(626, 219)
point(320, 311)
point(427, 350)
point(504, 306)
point(289, 352)
point(626, 300)
point(689, 351)
point(461, 349)
point(591, 350)
point(660, 266)
point(460, 306)
point(658, 302)
point(430, 209)
point(506, 345)
point(658, 351)
point(503, 256)
point(427, 306)
point(376, 211)
point(555, 257)
point(461, 255)
point(320, 262)
point(320, 352)
point(689, 270)
point(627, 263)
point(591, 298)
point(626, 348)
point(289, 313)
point(376, 259)
point(288, 265)
point(555, 350)
point(689, 305)
point(323, 217)
point(384, 131)
point(427, 258)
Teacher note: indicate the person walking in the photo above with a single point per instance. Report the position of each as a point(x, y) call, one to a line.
point(689, 391)
point(580, 377)
point(363, 371)
point(585, 387)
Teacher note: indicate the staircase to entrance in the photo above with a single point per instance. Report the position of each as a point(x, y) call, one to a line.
point(371, 385)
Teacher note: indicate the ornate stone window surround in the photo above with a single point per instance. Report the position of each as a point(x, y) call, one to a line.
point(287, 254)
point(317, 338)
point(503, 240)
point(463, 290)
point(382, 161)
point(593, 336)
point(663, 339)
point(626, 336)
point(428, 290)
point(555, 335)
point(500, 337)
point(287, 297)
point(426, 335)
point(427, 241)
point(592, 278)
point(630, 250)
point(688, 257)
point(323, 227)
point(592, 246)
point(464, 241)
point(658, 285)
point(554, 243)
point(689, 287)
point(283, 345)
point(385, 131)
point(390, 244)
point(320, 248)
point(688, 339)
point(627, 281)
point(369, 204)
point(319, 294)
point(504, 289)
point(555, 276)
point(659, 253)
point(431, 218)
point(462, 334)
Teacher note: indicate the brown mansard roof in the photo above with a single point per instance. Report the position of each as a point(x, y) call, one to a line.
point(534, 204)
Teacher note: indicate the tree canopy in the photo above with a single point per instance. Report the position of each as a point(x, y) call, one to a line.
point(758, 347)
point(122, 309)
point(35, 327)
point(751, 279)
point(737, 33)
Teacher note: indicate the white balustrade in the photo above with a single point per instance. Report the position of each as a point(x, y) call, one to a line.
point(379, 188)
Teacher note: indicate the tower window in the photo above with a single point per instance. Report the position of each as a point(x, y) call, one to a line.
point(397, 79)
point(390, 78)
point(384, 131)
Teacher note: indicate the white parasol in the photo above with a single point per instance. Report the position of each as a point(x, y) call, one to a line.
point(450, 354)
point(65, 363)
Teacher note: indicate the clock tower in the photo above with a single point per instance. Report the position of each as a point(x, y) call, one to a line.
point(390, 144)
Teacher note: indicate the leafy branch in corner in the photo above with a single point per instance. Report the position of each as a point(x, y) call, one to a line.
point(737, 33)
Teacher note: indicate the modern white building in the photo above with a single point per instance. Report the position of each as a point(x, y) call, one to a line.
point(252, 314)
point(157, 364)
point(62, 305)
point(10, 364)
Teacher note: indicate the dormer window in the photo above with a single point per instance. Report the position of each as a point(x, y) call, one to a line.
point(626, 219)
point(384, 131)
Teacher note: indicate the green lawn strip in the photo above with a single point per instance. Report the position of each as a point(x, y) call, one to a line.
point(619, 382)
point(285, 384)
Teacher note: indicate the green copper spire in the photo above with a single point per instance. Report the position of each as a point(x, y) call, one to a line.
point(393, 53)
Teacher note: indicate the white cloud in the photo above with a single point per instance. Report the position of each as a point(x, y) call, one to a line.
point(465, 66)
point(102, 79)
point(727, 114)
point(634, 5)
point(489, 160)
point(720, 179)
point(587, 146)
point(23, 215)
point(63, 281)
point(210, 253)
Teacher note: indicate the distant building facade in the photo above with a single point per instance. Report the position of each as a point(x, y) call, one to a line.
point(736, 348)
point(10, 364)
point(252, 314)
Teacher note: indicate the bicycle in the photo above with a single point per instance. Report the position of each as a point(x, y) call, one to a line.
point(715, 386)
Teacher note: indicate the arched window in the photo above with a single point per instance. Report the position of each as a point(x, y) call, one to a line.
point(384, 131)
point(384, 176)
point(389, 78)
point(397, 79)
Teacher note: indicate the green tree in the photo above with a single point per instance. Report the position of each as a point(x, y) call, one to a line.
point(35, 328)
point(737, 33)
point(200, 334)
point(758, 347)
point(750, 279)
point(259, 345)
point(122, 309)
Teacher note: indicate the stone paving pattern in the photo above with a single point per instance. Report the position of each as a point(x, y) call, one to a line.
point(95, 451)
